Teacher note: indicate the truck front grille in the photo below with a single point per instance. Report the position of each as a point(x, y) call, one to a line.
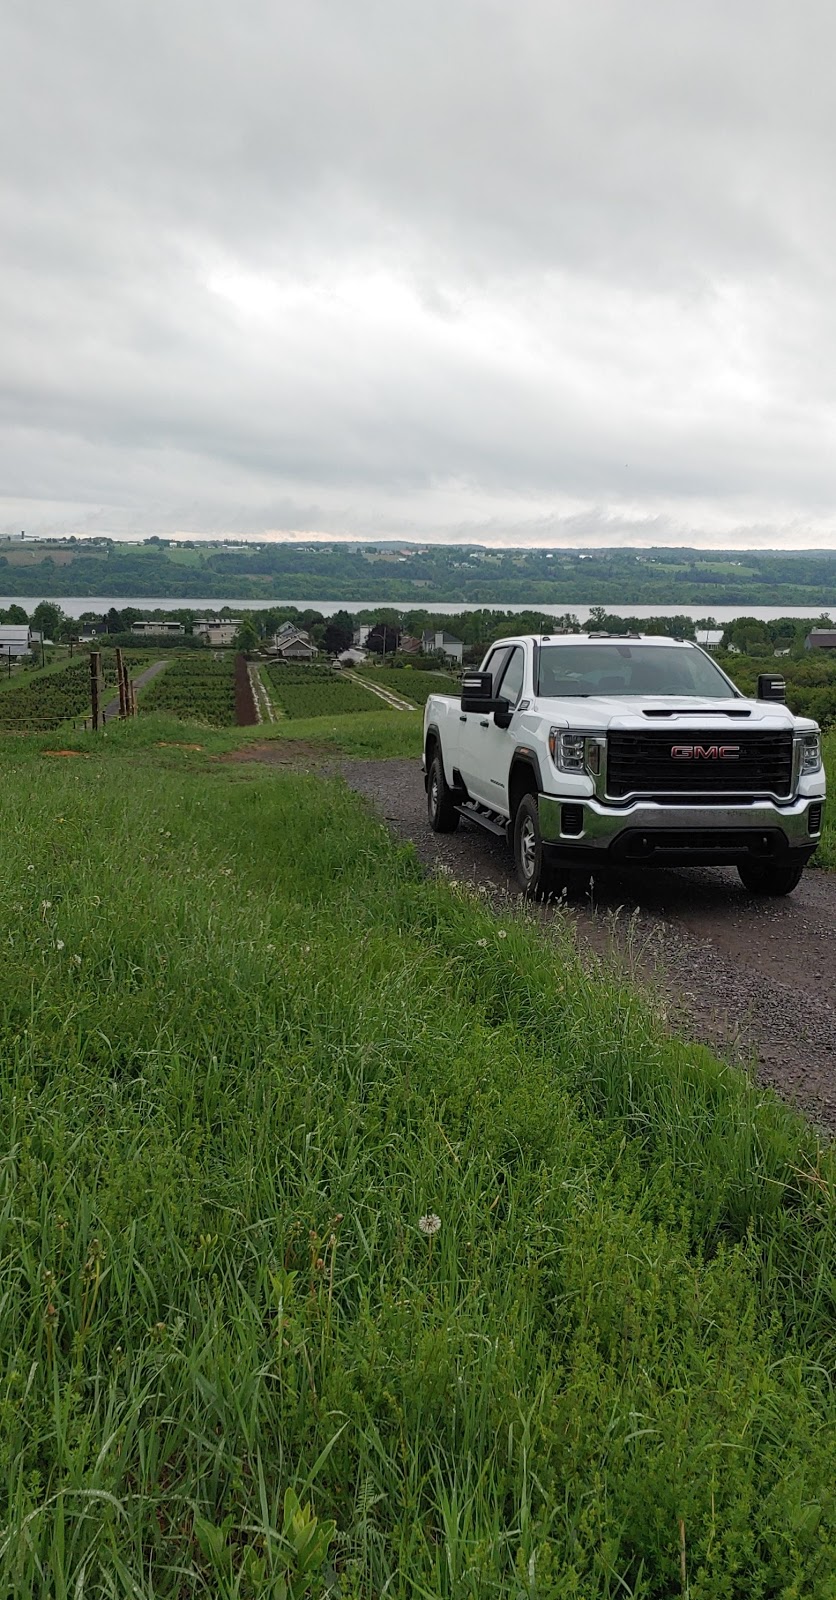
point(737, 762)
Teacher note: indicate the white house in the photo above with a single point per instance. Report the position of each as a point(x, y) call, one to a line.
point(214, 631)
point(15, 640)
point(293, 644)
point(442, 643)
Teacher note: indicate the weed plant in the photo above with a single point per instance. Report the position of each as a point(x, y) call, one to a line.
point(247, 1053)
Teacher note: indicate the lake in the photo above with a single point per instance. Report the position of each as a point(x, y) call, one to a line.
point(73, 606)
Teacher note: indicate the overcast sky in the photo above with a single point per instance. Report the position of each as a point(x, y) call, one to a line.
point(518, 271)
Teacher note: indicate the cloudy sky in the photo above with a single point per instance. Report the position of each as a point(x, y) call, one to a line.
point(518, 271)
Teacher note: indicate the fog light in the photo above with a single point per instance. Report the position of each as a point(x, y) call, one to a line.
point(571, 820)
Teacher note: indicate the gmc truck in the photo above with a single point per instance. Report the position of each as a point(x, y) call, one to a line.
point(601, 750)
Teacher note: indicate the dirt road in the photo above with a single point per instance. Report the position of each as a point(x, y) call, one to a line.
point(754, 978)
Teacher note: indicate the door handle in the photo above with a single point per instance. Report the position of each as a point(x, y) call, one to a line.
point(462, 719)
point(484, 722)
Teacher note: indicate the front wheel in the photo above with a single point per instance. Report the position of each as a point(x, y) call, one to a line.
point(441, 806)
point(770, 877)
point(534, 872)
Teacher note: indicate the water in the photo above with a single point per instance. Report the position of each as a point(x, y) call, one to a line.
point(73, 606)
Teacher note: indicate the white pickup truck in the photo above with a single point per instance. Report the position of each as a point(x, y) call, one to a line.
point(596, 750)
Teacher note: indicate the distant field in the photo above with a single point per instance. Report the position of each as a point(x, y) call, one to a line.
point(314, 691)
point(415, 685)
point(198, 688)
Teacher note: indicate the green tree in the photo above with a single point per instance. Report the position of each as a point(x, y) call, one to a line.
point(47, 618)
point(246, 638)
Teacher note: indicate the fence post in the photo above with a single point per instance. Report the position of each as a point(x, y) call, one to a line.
point(95, 669)
point(120, 682)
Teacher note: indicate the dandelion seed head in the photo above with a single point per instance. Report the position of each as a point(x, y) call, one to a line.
point(429, 1224)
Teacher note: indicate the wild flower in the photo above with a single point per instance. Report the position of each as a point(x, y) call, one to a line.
point(59, 944)
point(502, 934)
point(482, 943)
point(429, 1224)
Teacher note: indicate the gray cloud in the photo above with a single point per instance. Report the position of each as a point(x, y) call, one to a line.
point(543, 273)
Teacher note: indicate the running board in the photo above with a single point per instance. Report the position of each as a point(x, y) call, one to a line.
point(484, 818)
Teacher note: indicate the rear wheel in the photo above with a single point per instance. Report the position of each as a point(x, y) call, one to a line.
point(441, 805)
point(771, 877)
point(534, 872)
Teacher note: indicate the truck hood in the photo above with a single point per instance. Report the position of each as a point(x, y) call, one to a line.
point(603, 712)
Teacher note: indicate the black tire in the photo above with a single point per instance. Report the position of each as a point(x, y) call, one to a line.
point(770, 877)
point(441, 805)
point(535, 875)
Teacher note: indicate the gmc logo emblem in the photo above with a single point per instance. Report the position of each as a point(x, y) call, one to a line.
point(705, 752)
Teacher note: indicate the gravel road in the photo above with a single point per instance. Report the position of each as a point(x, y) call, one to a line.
point(111, 711)
point(753, 978)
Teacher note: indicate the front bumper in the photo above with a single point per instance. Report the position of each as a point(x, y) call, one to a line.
point(660, 834)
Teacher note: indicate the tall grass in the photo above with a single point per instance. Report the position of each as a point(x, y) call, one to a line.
point(246, 1049)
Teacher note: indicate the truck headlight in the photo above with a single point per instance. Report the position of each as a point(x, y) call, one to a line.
point(574, 752)
point(809, 749)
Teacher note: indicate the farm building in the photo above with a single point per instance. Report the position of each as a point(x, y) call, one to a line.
point(15, 640)
point(821, 639)
point(214, 631)
point(442, 643)
point(709, 638)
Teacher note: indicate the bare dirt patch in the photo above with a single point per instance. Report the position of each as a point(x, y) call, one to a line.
point(64, 753)
point(281, 753)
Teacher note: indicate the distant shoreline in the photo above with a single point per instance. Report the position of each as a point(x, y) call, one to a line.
point(75, 605)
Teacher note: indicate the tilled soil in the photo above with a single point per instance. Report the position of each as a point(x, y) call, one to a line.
point(754, 978)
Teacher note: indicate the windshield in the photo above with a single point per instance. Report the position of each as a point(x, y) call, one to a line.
point(579, 670)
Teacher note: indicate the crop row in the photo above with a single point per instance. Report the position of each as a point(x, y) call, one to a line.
point(319, 696)
point(413, 686)
point(44, 702)
point(196, 689)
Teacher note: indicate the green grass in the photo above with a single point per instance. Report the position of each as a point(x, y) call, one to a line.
point(245, 1048)
point(826, 853)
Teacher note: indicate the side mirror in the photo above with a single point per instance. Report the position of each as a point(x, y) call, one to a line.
point(772, 687)
point(477, 695)
point(477, 691)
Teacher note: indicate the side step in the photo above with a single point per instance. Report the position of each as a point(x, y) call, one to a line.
point(486, 819)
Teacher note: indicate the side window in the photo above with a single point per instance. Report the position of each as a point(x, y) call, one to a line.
point(511, 682)
point(494, 664)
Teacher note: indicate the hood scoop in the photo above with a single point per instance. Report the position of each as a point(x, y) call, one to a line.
point(698, 711)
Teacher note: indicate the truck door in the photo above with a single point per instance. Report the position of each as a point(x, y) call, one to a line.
point(471, 745)
point(491, 748)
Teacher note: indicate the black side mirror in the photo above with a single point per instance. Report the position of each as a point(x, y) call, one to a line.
point(477, 695)
point(771, 686)
point(477, 691)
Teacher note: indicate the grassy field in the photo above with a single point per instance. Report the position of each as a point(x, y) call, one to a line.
point(246, 1049)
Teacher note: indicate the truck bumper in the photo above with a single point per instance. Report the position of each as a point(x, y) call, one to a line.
point(650, 832)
